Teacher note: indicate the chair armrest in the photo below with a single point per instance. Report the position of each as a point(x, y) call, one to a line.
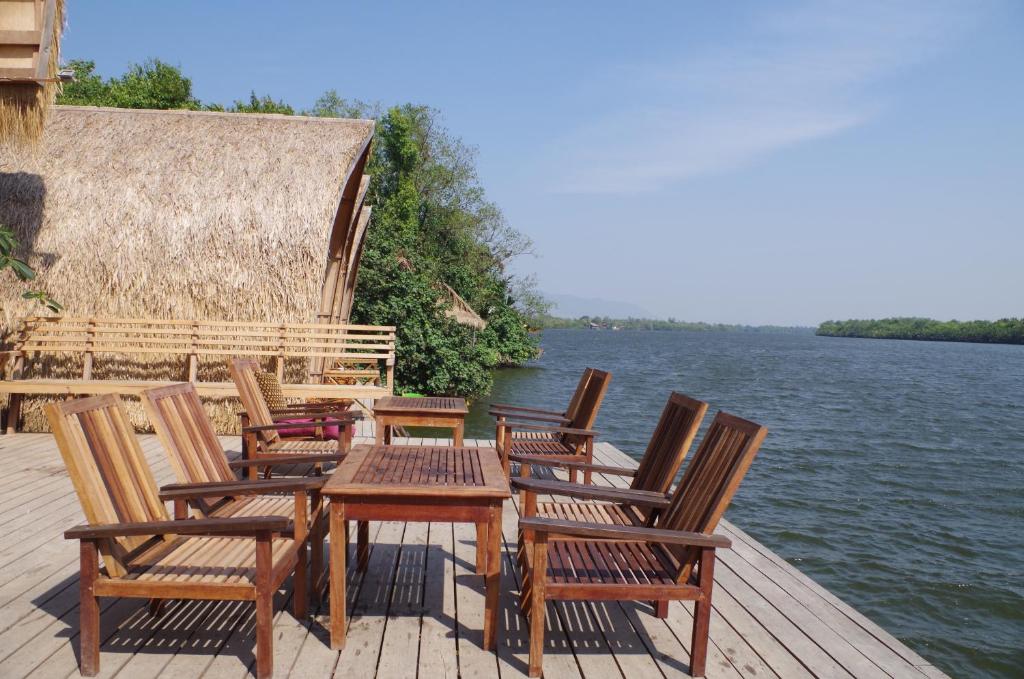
point(244, 526)
point(529, 417)
point(313, 414)
point(538, 411)
point(277, 426)
point(542, 427)
point(279, 460)
point(186, 491)
point(599, 531)
point(639, 498)
point(568, 464)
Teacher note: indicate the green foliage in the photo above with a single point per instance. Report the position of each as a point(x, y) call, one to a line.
point(154, 84)
point(24, 273)
point(432, 225)
point(330, 104)
point(1003, 331)
point(264, 104)
point(607, 323)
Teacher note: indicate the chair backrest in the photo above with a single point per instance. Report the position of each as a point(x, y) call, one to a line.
point(111, 477)
point(243, 372)
point(187, 434)
point(670, 443)
point(588, 404)
point(710, 481)
point(581, 386)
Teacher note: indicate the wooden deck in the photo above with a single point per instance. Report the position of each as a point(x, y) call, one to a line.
point(418, 610)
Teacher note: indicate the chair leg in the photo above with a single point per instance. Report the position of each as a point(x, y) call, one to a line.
point(316, 546)
point(702, 614)
point(264, 608)
point(538, 577)
point(89, 610)
point(481, 548)
point(660, 609)
point(264, 635)
point(300, 597)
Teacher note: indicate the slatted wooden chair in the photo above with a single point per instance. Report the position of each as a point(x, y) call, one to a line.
point(148, 555)
point(541, 415)
point(675, 560)
point(651, 481)
point(561, 437)
point(266, 437)
point(194, 451)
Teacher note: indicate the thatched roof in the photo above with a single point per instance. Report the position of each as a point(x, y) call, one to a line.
point(174, 214)
point(460, 311)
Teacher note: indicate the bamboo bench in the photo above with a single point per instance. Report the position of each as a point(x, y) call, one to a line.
point(337, 361)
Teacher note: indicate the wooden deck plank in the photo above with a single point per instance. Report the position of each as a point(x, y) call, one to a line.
point(419, 611)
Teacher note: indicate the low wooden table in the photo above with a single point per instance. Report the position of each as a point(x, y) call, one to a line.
point(417, 483)
point(429, 411)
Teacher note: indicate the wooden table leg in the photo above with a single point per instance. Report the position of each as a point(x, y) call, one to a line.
point(459, 430)
point(379, 426)
point(337, 559)
point(481, 548)
point(363, 546)
point(492, 580)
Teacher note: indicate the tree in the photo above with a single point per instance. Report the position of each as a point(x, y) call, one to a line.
point(154, 84)
point(264, 104)
point(332, 105)
point(24, 273)
point(431, 223)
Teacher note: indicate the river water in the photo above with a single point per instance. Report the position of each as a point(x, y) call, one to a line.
point(893, 472)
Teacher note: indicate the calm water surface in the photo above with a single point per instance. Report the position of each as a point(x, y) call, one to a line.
point(893, 472)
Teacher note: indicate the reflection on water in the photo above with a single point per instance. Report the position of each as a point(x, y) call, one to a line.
point(893, 471)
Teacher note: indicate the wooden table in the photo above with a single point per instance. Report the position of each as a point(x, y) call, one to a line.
point(429, 411)
point(416, 483)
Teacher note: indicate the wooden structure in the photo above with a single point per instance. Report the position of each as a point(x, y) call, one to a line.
point(264, 437)
point(417, 609)
point(423, 484)
point(265, 228)
point(26, 40)
point(576, 560)
point(194, 345)
point(148, 555)
point(560, 436)
point(649, 486)
point(198, 459)
point(431, 411)
point(30, 32)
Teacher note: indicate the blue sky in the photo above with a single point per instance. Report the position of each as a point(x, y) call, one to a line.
point(783, 162)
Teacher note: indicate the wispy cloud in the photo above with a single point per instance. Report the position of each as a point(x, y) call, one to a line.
point(788, 77)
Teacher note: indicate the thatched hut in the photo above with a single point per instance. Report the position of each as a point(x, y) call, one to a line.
point(180, 214)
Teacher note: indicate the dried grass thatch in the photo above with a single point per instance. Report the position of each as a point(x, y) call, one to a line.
point(174, 214)
point(460, 311)
point(24, 106)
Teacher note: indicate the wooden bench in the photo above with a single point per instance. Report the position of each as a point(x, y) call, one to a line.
point(334, 360)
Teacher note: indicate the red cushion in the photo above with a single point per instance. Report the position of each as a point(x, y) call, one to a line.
point(330, 431)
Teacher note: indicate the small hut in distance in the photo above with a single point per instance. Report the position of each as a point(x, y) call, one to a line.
point(188, 215)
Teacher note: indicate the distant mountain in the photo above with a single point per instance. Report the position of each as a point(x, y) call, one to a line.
point(572, 306)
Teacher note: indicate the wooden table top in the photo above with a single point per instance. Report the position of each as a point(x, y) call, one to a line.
point(372, 470)
point(441, 405)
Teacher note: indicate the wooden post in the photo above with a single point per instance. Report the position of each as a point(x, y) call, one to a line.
point(193, 357)
point(87, 358)
point(391, 373)
point(279, 361)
